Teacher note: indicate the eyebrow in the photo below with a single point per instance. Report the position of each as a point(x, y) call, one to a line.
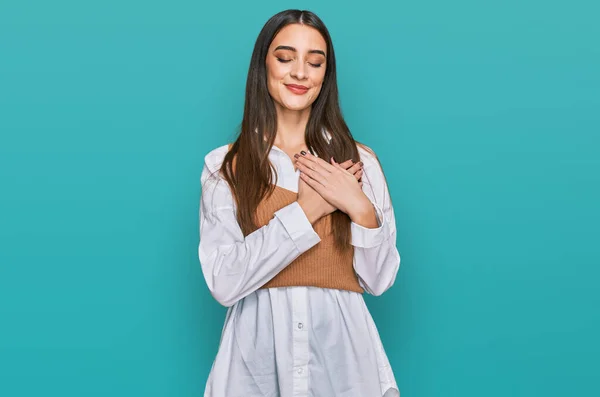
point(287, 47)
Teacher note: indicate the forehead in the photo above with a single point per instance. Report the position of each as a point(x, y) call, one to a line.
point(301, 37)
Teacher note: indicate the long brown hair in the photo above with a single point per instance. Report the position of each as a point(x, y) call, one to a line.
point(250, 179)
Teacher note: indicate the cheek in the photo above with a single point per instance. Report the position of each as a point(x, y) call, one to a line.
point(318, 80)
point(276, 71)
point(275, 75)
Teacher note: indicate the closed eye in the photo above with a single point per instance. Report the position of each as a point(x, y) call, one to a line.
point(314, 65)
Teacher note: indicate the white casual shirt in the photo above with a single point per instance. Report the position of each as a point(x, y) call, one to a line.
point(294, 341)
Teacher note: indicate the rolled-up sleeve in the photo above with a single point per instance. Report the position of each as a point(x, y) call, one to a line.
point(376, 257)
point(298, 227)
point(367, 238)
point(233, 265)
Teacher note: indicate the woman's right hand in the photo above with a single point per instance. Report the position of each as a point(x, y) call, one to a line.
point(314, 206)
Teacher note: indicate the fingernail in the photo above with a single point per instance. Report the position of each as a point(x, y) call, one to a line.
point(296, 156)
point(303, 152)
point(361, 163)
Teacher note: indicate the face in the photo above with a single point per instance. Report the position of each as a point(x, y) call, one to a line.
point(296, 66)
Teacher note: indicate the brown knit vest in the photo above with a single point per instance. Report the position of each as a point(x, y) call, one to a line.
point(324, 265)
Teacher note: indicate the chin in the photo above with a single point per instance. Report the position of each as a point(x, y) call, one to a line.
point(296, 106)
point(296, 102)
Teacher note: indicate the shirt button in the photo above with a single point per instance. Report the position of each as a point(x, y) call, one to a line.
point(300, 325)
point(300, 370)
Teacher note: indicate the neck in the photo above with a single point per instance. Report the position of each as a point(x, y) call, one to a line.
point(291, 127)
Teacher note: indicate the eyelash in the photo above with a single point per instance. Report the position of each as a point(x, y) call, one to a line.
point(317, 65)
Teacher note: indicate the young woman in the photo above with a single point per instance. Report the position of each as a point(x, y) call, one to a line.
point(296, 223)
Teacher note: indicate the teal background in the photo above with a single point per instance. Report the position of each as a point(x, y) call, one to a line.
point(486, 118)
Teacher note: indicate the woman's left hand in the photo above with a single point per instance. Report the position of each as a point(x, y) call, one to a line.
point(335, 184)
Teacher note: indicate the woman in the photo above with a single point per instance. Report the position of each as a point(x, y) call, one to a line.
point(293, 229)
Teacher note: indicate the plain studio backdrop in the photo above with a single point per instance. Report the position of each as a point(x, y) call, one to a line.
point(486, 118)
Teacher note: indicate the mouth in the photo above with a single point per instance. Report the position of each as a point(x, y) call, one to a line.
point(297, 89)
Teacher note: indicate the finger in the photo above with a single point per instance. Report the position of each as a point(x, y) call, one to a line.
point(311, 164)
point(355, 168)
point(312, 174)
point(359, 175)
point(350, 171)
point(307, 163)
point(319, 161)
point(347, 164)
point(338, 167)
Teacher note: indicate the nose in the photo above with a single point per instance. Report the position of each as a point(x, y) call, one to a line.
point(299, 69)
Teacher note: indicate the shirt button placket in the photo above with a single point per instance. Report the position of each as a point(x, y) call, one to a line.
point(300, 342)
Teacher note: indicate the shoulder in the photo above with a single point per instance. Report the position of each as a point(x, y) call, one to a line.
point(214, 159)
point(212, 165)
point(374, 180)
point(215, 190)
point(367, 155)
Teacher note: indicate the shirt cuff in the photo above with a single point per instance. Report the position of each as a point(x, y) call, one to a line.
point(297, 225)
point(363, 237)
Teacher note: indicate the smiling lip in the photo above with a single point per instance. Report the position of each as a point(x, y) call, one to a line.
point(297, 89)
